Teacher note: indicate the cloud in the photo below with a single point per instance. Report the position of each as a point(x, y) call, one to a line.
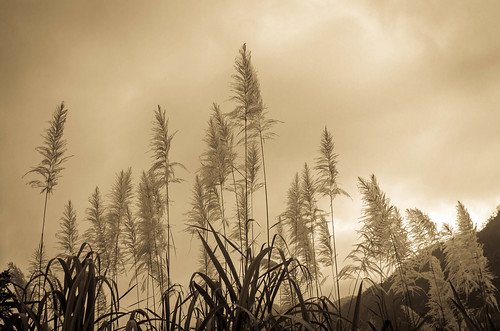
point(461, 36)
point(408, 89)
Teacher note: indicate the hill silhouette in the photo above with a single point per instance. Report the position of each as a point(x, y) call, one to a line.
point(488, 237)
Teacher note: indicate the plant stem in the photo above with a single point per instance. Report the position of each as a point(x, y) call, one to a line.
point(159, 264)
point(167, 199)
point(246, 192)
point(335, 258)
point(239, 217)
point(136, 280)
point(265, 186)
point(41, 243)
point(267, 204)
point(221, 183)
point(313, 221)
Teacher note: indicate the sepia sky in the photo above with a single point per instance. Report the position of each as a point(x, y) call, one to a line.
point(409, 89)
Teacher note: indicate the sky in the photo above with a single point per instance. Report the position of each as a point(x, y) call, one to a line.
point(409, 90)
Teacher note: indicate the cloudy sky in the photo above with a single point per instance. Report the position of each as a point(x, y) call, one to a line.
point(409, 89)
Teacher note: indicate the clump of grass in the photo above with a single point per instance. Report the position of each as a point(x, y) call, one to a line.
point(248, 301)
point(68, 302)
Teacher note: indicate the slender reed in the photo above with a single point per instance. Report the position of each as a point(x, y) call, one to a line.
point(326, 165)
point(161, 143)
point(51, 166)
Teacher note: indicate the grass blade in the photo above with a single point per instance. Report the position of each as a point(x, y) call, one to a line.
point(355, 318)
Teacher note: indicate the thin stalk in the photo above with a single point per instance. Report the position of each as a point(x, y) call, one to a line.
point(115, 262)
point(296, 256)
point(336, 277)
point(252, 244)
point(206, 260)
point(147, 285)
point(267, 205)
point(151, 278)
point(136, 281)
point(239, 218)
point(223, 219)
point(309, 284)
point(160, 267)
point(153, 288)
point(246, 190)
point(265, 188)
point(314, 257)
point(167, 200)
point(205, 255)
point(41, 244)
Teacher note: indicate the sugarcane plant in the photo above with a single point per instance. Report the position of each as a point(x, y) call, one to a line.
point(326, 165)
point(50, 168)
point(164, 168)
point(68, 234)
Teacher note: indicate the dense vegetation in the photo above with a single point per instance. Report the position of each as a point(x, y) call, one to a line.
point(415, 276)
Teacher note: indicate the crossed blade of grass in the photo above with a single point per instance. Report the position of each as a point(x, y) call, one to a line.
point(11, 316)
point(235, 303)
point(69, 305)
point(473, 322)
point(246, 302)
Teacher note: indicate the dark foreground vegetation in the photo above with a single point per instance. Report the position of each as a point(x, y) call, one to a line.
point(406, 274)
point(232, 302)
